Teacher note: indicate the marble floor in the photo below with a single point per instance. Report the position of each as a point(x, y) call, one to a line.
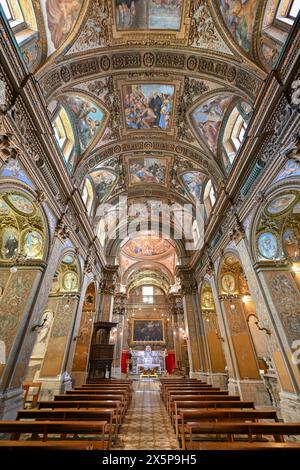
point(146, 425)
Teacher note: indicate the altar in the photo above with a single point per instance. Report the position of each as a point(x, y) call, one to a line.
point(143, 360)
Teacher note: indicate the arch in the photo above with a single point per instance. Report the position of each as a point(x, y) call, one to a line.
point(274, 233)
point(239, 307)
point(25, 229)
point(156, 266)
point(214, 341)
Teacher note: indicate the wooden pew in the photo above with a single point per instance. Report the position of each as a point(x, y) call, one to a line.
point(186, 415)
point(187, 388)
point(83, 405)
point(202, 398)
point(166, 390)
point(218, 395)
point(127, 394)
point(251, 430)
point(108, 414)
point(244, 446)
point(207, 405)
point(46, 428)
point(52, 445)
point(91, 397)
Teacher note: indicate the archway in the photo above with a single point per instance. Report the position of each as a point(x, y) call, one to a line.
point(245, 339)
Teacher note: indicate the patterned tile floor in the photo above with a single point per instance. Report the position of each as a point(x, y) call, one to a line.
point(146, 425)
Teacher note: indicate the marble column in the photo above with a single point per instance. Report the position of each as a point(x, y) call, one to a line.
point(188, 290)
point(29, 309)
point(118, 317)
point(107, 289)
point(55, 370)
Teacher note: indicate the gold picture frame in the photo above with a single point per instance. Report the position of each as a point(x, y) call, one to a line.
point(148, 330)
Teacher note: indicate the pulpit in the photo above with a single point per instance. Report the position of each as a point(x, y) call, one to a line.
point(101, 352)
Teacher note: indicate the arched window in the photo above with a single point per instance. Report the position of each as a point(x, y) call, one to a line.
point(278, 19)
point(64, 133)
point(88, 195)
point(21, 18)
point(287, 11)
point(235, 132)
point(209, 197)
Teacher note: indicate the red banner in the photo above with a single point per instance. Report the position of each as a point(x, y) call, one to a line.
point(125, 357)
point(170, 362)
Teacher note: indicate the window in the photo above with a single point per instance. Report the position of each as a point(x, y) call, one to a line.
point(148, 294)
point(87, 195)
point(209, 197)
point(7, 9)
point(293, 9)
point(64, 133)
point(12, 11)
point(241, 134)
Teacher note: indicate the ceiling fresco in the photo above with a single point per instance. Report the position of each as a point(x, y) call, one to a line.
point(194, 182)
point(159, 14)
point(148, 170)
point(208, 117)
point(148, 87)
point(148, 106)
point(59, 19)
point(104, 181)
point(147, 247)
point(239, 16)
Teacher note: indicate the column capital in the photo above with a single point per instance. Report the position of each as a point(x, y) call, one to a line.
point(237, 232)
point(188, 281)
point(108, 281)
point(62, 230)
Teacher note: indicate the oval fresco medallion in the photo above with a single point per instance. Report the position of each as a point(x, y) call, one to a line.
point(280, 204)
point(267, 245)
point(21, 204)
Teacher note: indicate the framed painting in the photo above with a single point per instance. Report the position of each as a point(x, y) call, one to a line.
point(148, 106)
point(148, 170)
point(160, 19)
point(228, 283)
point(267, 245)
point(281, 204)
point(148, 331)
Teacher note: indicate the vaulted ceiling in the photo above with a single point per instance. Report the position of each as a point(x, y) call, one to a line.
point(146, 90)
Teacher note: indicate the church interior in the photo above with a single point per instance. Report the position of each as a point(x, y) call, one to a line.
point(150, 225)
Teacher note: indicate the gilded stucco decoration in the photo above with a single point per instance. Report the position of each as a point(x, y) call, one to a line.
point(277, 233)
point(22, 228)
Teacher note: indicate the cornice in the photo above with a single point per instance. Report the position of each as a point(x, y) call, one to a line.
point(112, 63)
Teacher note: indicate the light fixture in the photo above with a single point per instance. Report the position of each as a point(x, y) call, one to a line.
point(246, 299)
point(296, 267)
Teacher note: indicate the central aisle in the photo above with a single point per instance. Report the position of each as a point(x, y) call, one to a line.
point(146, 425)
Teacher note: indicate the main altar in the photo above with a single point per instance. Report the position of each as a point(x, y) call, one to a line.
point(144, 360)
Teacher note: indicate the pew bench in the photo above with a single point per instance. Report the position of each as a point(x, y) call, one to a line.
point(53, 445)
point(207, 405)
point(200, 397)
point(219, 415)
point(107, 414)
point(57, 429)
point(199, 432)
point(82, 405)
point(92, 397)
